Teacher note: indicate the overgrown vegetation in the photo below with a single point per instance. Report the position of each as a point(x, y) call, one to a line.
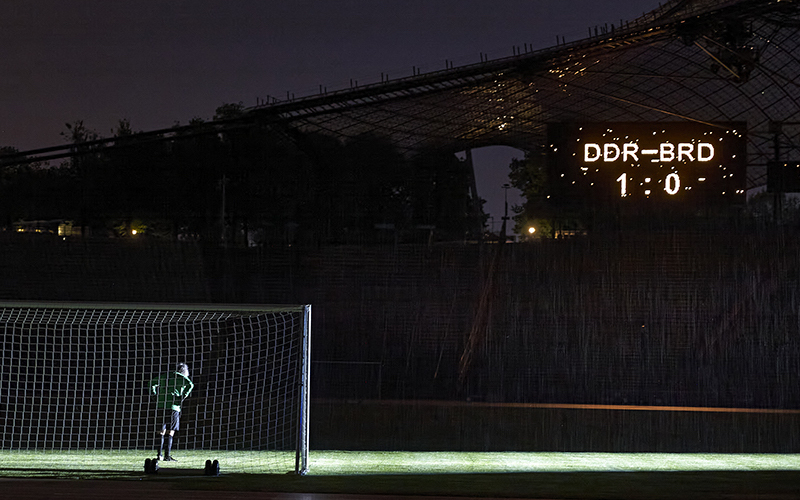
point(245, 186)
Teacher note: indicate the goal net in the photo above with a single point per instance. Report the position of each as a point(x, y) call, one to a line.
point(78, 377)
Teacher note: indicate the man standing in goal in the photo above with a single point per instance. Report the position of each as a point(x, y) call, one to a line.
point(171, 390)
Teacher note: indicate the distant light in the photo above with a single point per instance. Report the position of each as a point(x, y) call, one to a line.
point(531, 230)
point(133, 232)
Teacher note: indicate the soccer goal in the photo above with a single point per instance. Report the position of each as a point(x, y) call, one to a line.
point(78, 377)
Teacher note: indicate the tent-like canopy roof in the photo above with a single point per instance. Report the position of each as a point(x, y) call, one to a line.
point(696, 60)
point(690, 60)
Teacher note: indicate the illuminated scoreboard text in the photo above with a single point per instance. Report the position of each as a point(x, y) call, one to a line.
point(687, 163)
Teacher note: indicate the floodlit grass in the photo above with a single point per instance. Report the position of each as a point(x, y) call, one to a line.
point(116, 464)
point(474, 474)
point(342, 463)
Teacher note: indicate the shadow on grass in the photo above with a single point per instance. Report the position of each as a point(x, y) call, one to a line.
point(573, 485)
point(555, 485)
point(76, 473)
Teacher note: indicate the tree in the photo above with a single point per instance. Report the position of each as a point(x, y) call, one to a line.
point(533, 178)
point(33, 190)
point(84, 165)
point(529, 175)
point(227, 111)
point(442, 196)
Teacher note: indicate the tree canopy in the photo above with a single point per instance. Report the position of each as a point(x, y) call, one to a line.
point(247, 186)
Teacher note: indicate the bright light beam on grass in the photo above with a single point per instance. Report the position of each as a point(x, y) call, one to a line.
point(375, 462)
point(106, 464)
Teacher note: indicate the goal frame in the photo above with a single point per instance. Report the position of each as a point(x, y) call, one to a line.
point(304, 366)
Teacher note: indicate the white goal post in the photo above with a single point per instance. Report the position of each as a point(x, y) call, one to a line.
point(76, 376)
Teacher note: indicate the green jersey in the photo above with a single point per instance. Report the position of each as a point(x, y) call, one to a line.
point(171, 389)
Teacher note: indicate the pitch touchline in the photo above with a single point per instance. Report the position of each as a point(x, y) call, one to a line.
point(564, 406)
point(708, 409)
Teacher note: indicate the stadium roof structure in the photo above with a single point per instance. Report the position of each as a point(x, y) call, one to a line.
point(696, 60)
point(704, 61)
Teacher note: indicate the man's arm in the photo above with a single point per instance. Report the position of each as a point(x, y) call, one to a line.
point(154, 386)
point(191, 386)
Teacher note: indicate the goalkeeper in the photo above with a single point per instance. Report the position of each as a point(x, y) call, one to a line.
point(171, 390)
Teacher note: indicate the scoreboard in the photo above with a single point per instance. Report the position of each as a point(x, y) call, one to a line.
point(673, 164)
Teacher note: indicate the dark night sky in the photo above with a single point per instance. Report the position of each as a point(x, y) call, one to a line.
point(158, 62)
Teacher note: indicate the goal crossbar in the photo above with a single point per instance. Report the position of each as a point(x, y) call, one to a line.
point(77, 376)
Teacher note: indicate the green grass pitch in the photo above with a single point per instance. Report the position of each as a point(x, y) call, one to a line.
point(102, 463)
point(475, 474)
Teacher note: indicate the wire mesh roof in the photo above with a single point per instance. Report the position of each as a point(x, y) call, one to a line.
point(697, 60)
